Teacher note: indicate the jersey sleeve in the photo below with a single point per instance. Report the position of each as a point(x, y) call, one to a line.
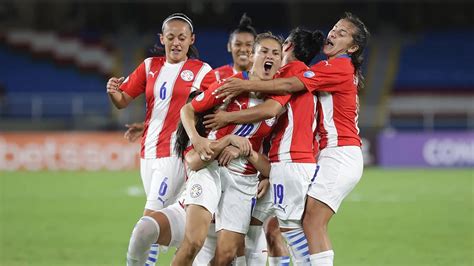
point(323, 77)
point(205, 78)
point(135, 83)
point(281, 99)
point(206, 100)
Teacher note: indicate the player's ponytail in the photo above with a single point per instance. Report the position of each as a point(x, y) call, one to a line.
point(306, 44)
point(361, 39)
point(245, 26)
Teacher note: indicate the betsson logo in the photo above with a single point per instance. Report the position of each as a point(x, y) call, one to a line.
point(449, 152)
point(50, 155)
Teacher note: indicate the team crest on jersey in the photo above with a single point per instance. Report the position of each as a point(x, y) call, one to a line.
point(270, 121)
point(308, 74)
point(187, 75)
point(196, 191)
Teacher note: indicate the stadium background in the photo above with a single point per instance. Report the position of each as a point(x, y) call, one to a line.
point(70, 190)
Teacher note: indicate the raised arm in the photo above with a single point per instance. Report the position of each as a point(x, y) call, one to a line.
point(201, 144)
point(260, 162)
point(280, 86)
point(270, 108)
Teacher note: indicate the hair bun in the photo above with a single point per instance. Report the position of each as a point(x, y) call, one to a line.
point(245, 21)
point(318, 37)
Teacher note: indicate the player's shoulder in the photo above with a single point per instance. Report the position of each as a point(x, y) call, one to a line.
point(291, 69)
point(194, 62)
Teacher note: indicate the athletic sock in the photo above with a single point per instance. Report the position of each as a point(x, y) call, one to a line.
point(240, 261)
point(324, 258)
point(153, 255)
point(144, 234)
point(256, 246)
point(298, 246)
point(279, 261)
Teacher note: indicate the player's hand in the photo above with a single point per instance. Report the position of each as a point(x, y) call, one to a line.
point(244, 145)
point(113, 84)
point(203, 147)
point(134, 131)
point(228, 154)
point(231, 88)
point(263, 186)
point(216, 120)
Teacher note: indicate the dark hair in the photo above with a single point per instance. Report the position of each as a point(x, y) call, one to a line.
point(307, 44)
point(182, 138)
point(158, 49)
point(245, 26)
point(361, 39)
point(266, 35)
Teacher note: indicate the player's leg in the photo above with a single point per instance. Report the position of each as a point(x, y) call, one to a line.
point(149, 230)
point(277, 250)
point(202, 195)
point(340, 169)
point(290, 183)
point(228, 243)
point(206, 254)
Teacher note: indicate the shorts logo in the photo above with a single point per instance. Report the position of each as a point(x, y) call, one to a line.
point(187, 75)
point(308, 74)
point(200, 97)
point(196, 191)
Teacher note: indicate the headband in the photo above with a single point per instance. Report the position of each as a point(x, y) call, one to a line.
point(178, 16)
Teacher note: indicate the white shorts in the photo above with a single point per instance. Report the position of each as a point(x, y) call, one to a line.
point(264, 207)
point(227, 195)
point(289, 185)
point(340, 169)
point(204, 187)
point(177, 218)
point(163, 181)
point(237, 199)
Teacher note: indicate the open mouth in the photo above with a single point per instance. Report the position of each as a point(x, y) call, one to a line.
point(329, 42)
point(175, 50)
point(267, 65)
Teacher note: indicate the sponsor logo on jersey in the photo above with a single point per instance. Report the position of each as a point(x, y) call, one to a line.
point(308, 74)
point(196, 191)
point(187, 75)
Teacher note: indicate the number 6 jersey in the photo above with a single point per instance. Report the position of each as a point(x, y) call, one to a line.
point(166, 87)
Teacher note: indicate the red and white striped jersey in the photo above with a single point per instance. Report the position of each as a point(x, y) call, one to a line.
point(167, 88)
point(224, 72)
point(255, 132)
point(338, 106)
point(293, 137)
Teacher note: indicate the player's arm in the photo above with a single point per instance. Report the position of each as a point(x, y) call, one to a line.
point(280, 86)
point(195, 162)
point(260, 162)
point(119, 98)
point(201, 144)
point(268, 109)
point(134, 131)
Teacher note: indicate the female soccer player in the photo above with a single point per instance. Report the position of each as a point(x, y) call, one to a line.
point(240, 46)
point(227, 192)
point(336, 80)
point(167, 82)
point(291, 152)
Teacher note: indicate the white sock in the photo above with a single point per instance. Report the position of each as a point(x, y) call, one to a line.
point(240, 261)
point(144, 234)
point(256, 246)
point(324, 258)
point(298, 246)
point(279, 261)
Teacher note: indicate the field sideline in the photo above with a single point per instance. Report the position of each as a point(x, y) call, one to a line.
point(393, 217)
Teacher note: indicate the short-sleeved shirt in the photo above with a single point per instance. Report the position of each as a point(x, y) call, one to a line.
point(167, 88)
point(293, 137)
point(338, 106)
point(224, 72)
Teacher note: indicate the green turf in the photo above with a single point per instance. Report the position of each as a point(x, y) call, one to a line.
point(393, 217)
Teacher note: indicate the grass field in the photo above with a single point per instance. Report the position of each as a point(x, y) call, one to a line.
point(393, 217)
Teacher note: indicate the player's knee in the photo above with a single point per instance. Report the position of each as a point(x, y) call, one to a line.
point(225, 256)
point(195, 244)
